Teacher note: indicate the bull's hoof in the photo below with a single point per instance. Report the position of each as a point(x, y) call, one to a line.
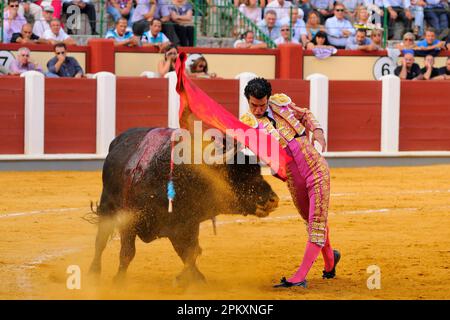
point(119, 280)
point(189, 277)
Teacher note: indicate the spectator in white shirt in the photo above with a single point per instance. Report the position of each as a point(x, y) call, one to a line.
point(285, 36)
point(56, 34)
point(281, 7)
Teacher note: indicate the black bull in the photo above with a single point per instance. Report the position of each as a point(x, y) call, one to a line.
point(139, 207)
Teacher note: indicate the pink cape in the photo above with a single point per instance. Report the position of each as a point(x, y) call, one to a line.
point(215, 115)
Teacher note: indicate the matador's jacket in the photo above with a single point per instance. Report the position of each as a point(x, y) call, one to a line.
point(308, 172)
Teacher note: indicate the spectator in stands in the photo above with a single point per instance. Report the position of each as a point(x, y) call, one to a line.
point(270, 26)
point(417, 11)
point(324, 8)
point(12, 20)
point(197, 67)
point(248, 41)
point(444, 72)
point(122, 36)
point(121, 9)
point(285, 36)
point(63, 66)
point(376, 10)
point(429, 45)
point(251, 10)
point(43, 24)
point(86, 7)
point(313, 25)
point(408, 44)
point(376, 36)
point(154, 37)
point(320, 46)
point(56, 34)
point(429, 71)
point(400, 18)
point(168, 63)
point(351, 7)
point(23, 63)
point(298, 26)
point(26, 35)
point(338, 28)
point(145, 10)
point(436, 16)
point(220, 18)
point(360, 42)
point(362, 20)
point(409, 70)
point(181, 13)
point(281, 7)
point(31, 11)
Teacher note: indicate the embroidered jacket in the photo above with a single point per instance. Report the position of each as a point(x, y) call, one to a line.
point(290, 120)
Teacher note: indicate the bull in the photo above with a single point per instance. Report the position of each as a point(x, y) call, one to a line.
point(138, 207)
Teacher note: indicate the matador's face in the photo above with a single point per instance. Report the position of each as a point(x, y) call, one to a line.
point(258, 106)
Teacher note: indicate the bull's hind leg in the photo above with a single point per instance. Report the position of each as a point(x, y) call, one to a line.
point(185, 243)
point(105, 229)
point(127, 251)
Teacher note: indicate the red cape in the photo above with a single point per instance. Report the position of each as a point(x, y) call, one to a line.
point(215, 115)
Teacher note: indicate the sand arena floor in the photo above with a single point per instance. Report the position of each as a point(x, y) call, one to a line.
point(395, 218)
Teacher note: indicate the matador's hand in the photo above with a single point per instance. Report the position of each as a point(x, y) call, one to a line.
point(318, 136)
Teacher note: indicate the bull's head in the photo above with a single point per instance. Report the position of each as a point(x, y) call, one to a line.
point(253, 195)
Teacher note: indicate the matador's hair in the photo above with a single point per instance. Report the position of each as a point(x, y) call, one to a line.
point(258, 88)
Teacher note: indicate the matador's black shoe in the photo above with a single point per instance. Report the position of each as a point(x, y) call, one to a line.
point(286, 284)
point(331, 274)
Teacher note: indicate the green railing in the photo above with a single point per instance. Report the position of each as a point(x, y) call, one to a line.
point(224, 21)
point(2, 8)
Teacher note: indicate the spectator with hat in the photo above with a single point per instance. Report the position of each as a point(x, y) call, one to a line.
point(43, 24)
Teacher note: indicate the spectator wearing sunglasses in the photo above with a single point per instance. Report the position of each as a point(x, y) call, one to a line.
point(376, 37)
point(197, 67)
point(338, 28)
point(12, 20)
point(23, 63)
point(408, 44)
point(63, 66)
point(285, 36)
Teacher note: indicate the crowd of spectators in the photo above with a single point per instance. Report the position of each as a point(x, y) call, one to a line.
point(421, 27)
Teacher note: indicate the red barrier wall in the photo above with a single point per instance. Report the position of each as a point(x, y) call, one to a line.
point(424, 115)
point(298, 90)
point(354, 116)
point(12, 103)
point(225, 92)
point(70, 115)
point(141, 102)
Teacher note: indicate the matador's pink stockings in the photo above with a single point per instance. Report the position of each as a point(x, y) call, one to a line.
point(311, 253)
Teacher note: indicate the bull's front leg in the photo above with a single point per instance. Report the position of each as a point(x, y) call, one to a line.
point(127, 251)
point(185, 243)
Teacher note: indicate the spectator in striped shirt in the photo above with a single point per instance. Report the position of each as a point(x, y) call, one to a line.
point(154, 37)
point(122, 36)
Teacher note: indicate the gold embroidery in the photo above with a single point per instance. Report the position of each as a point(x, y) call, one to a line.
point(249, 119)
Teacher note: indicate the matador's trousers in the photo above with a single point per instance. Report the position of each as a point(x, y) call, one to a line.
point(309, 185)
